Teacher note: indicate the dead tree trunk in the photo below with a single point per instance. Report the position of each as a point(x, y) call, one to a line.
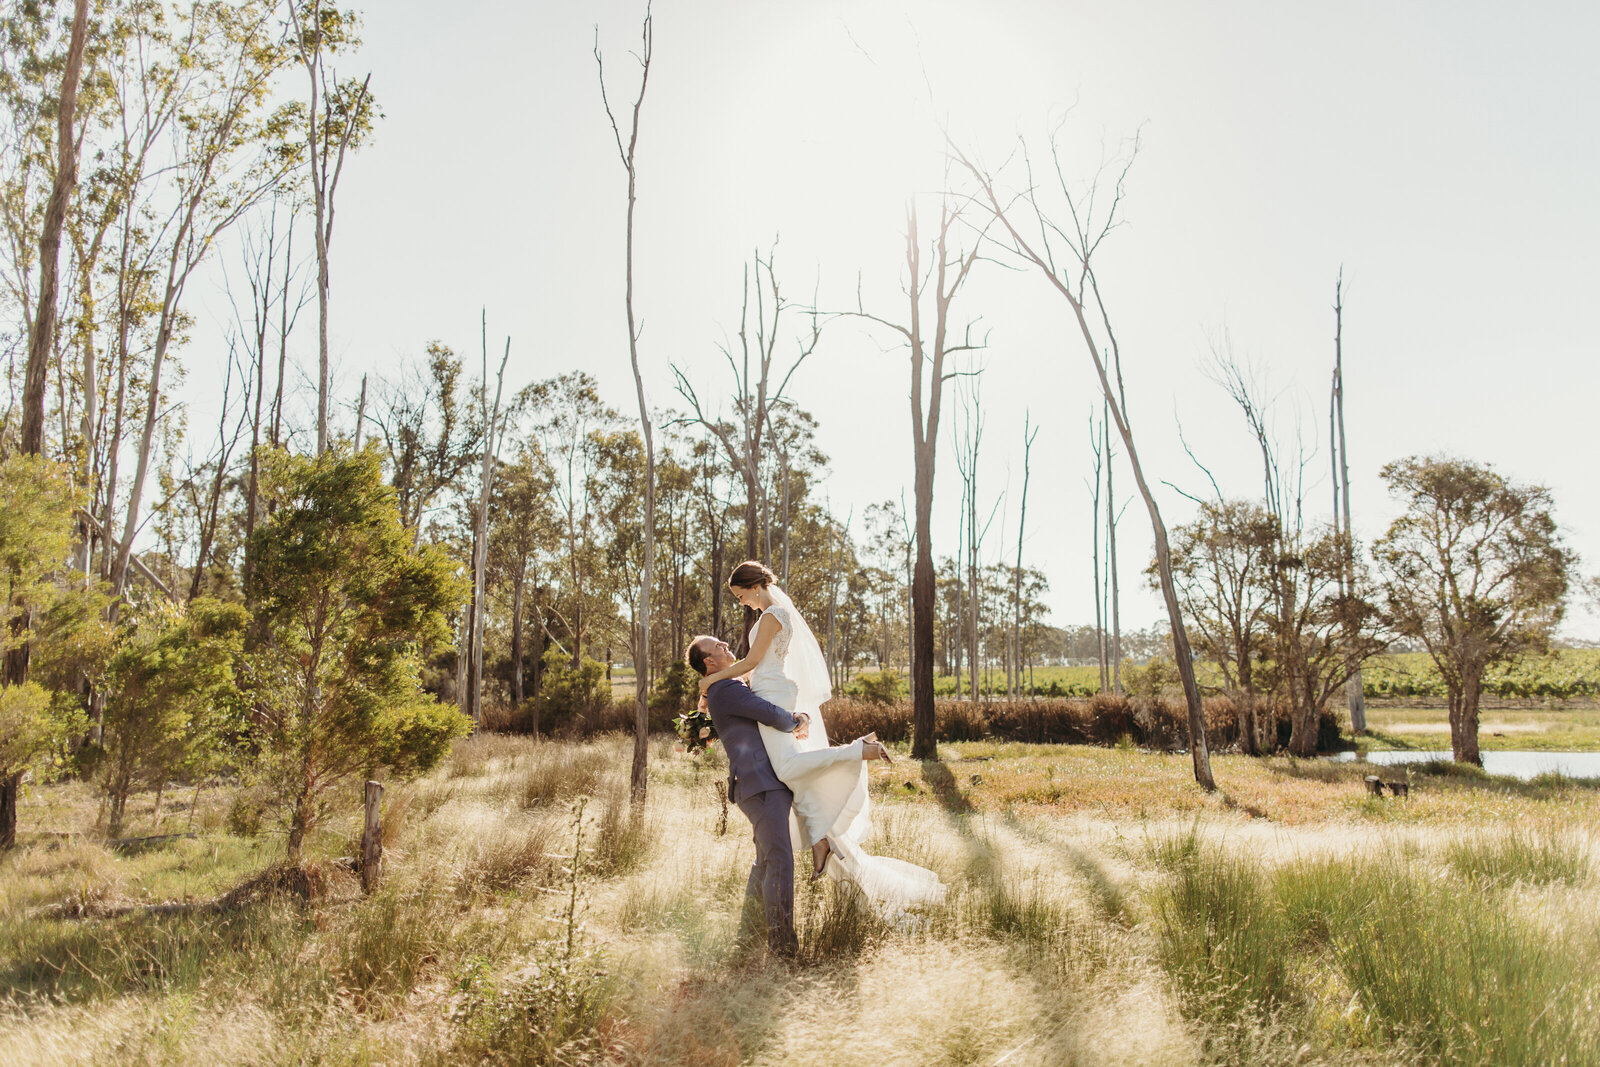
point(493, 432)
point(1113, 585)
point(1354, 689)
point(1099, 600)
point(641, 633)
point(1016, 589)
point(928, 375)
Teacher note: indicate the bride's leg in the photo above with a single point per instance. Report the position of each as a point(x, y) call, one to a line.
point(819, 858)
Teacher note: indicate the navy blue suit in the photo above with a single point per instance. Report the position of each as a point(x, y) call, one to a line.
point(765, 801)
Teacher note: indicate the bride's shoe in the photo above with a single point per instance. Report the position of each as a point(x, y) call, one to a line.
point(819, 866)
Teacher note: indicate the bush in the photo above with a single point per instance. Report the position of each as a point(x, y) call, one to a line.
point(881, 687)
point(570, 693)
point(677, 690)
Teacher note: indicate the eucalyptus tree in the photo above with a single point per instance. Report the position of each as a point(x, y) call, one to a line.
point(570, 420)
point(931, 284)
point(37, 500)
point(641, 633)
point(523, 527)
point(1475, 569)
point(337, 116)
point(424, 415)
point(1221, 569)
point(207, 101)
point(41, 334)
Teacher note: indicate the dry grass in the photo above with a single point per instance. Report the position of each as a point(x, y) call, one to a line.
point(1075, 876)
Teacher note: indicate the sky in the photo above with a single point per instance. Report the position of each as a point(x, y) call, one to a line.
point(1444, 156)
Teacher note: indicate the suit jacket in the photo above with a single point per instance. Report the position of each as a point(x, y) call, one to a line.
point(736, 711)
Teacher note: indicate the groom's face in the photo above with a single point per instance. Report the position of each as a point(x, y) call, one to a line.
point(717, 653)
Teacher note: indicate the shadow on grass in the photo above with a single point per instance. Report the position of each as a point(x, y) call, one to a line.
point(1396, 741)
point(945, 790)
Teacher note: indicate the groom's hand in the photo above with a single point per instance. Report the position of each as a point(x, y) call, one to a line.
point(801, 731)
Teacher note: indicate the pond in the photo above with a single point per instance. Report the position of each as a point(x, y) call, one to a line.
point(1523, 765)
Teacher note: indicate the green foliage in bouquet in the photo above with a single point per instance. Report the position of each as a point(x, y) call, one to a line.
point(696, 729)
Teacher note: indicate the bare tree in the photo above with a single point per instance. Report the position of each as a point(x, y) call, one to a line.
point(641, 635)
point(1113, 583)
point(338, 117)
point(758, 390)
point(941, 280)
point(269, 297)
point(212, 124)
point(1074, 279)
point(1029, 432)
point(1355, 693)
point(1099, 602)
point(976, 530)
point(494, 428)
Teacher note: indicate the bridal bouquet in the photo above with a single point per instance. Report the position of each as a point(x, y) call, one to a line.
point(696, 729)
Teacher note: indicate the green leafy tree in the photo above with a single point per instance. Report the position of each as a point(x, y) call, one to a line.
point(1475, 570)
point(174, 697)
point(36, 502)
point(346, 607)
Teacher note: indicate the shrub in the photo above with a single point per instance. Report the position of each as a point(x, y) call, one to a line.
point(346, 607)
point(677, 690)
point(570, 694)
point(880, 687)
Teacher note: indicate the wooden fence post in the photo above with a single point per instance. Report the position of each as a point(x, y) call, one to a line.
point(371, 841)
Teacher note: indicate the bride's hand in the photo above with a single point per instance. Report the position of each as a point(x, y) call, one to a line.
point(705, 683)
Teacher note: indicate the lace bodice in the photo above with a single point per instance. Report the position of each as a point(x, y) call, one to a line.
point(771, 679)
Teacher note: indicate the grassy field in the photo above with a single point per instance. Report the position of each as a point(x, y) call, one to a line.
point(1541, 729)
point(1564, 676)
point(1101, 910)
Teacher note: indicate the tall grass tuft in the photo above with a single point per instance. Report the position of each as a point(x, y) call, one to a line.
point(832, 925)
point(1222, 937)
point(623, 838)
point(507, 861)
point(557, 772)
point(1456, 975)
point(391, 939)
point(1529, 857)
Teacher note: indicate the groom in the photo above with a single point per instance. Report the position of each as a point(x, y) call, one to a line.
point(753, 785)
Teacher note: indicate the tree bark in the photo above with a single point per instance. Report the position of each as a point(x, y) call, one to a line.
point(41, 341)
point(1464, 718)
point(10, 787)
point(639, 778)
point(1355, 691)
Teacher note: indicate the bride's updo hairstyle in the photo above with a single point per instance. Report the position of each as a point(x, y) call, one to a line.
point(751, 574)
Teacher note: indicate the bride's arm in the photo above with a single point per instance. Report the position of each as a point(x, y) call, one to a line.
point(766, 630)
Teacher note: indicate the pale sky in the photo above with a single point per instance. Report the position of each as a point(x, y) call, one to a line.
point(1445, 154)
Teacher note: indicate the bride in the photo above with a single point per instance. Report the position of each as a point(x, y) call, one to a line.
point(786, 667)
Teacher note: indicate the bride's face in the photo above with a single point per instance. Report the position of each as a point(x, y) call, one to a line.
point(750, 596)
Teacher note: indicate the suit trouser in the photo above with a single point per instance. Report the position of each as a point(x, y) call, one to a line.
point(772, 874)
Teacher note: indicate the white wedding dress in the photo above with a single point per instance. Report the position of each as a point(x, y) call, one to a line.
point(829, 784)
